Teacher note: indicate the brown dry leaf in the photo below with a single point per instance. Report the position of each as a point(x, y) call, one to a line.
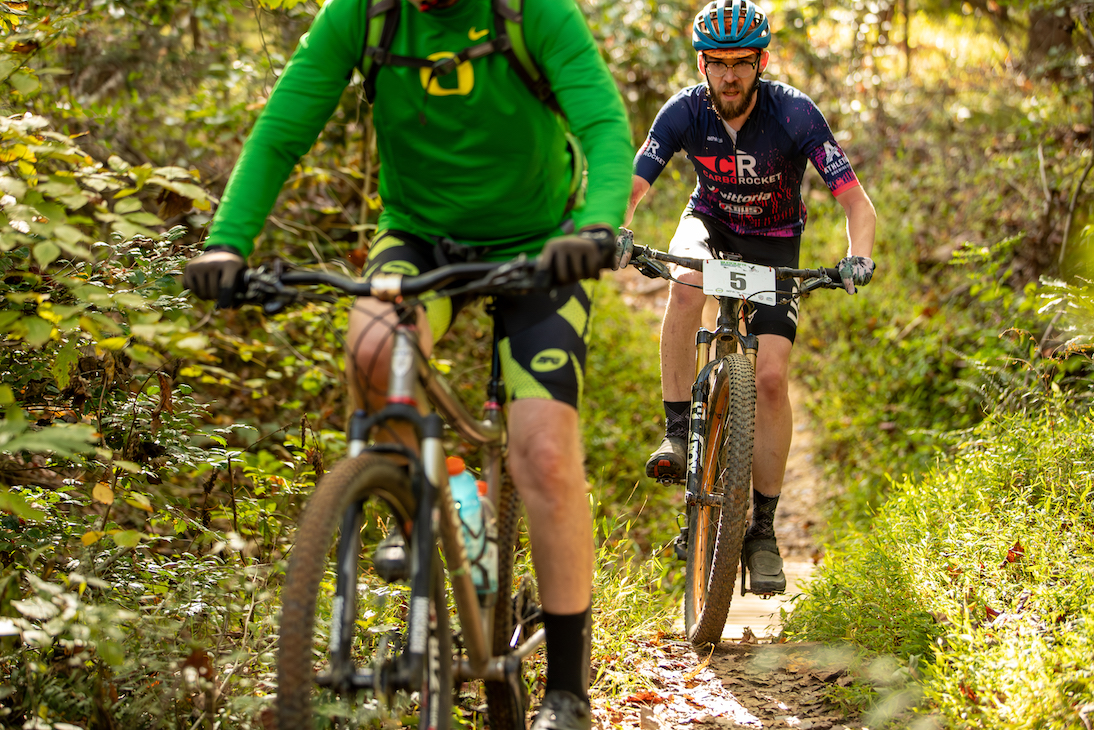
point(799, 666)
point(358, 256)
point(201, 663)
point(969, 693)
point(172, 204)
point(701, 666)
point(645, 697)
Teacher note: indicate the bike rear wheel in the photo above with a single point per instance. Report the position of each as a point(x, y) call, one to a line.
point(716, 523)
point(507, 702)
point(352, 508)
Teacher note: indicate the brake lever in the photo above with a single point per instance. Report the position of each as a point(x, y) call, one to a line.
point(816, 283)
point(263, 286)
point(651, 268)
point(513, 276)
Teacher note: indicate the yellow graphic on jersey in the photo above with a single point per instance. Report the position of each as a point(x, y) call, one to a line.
point(549, 360)
point(476, 34)
point(465, 78)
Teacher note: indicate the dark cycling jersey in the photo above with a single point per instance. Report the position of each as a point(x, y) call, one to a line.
point(753, 185)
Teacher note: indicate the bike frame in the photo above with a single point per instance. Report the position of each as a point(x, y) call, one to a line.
point(413, 386)
point(726, 337)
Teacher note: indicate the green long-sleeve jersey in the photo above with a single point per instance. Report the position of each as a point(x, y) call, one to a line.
point(472, 155)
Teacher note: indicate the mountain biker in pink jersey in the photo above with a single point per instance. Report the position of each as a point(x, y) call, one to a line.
point(749, 140)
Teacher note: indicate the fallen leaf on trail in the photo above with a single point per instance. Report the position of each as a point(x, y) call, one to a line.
point(645, 696)
point(795, 666)
point(702, 665)
point(991, 613)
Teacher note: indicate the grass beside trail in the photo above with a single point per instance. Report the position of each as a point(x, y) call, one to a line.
point(979, 578)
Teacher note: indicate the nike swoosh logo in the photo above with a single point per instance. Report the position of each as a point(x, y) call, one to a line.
point(476, 34)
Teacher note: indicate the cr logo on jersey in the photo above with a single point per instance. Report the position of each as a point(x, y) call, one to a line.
point(465, 78)
point(741, 165)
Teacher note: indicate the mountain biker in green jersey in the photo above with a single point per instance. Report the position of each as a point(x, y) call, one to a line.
point(473, 166)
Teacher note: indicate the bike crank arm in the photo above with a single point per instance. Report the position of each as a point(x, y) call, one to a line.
point(498, 668)
point(355, 682)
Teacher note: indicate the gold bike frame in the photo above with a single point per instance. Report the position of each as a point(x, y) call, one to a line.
point(413, 380)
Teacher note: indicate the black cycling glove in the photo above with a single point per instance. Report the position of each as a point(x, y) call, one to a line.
point(215, 274)
point(581, 256)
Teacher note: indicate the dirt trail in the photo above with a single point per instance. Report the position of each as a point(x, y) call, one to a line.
point(748, 680)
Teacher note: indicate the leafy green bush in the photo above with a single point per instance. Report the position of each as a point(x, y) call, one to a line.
point(980, 573)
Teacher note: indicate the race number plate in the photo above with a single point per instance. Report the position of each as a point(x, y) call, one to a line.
point(740, 280)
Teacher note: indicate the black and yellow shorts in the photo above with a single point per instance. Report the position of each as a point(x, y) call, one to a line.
point(542, 336)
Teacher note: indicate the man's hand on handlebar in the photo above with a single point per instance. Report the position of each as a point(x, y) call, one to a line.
point(215, 274)
point(855, 271)
point(579, 256)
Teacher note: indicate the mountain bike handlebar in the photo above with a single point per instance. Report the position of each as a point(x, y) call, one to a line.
point(273, 286)
point(651, 262)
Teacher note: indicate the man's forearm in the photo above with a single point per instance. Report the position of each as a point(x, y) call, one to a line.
point(861, 221)
point(639, 188)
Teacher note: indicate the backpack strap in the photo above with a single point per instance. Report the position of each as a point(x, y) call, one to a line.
point(508, 20)
point(378, 38)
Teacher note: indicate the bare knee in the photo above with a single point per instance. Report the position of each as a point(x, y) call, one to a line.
point(772, 385)
point(368, 345)
point(687, 298)
point(546, 466)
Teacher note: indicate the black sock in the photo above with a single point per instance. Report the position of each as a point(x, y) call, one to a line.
point(569, 644)
point(763, 516)
point(676, 418)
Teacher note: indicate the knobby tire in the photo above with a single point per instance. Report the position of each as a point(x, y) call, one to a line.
point(506, 705)
point(716, 534)
point(366, 478)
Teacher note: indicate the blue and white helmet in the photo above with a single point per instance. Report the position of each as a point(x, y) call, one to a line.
point(724, 24)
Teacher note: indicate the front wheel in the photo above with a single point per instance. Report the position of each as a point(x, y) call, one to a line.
point(355, 506)
point(507, 701)
point(716, 524)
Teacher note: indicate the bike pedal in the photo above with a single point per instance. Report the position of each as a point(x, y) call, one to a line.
point(768, 588)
